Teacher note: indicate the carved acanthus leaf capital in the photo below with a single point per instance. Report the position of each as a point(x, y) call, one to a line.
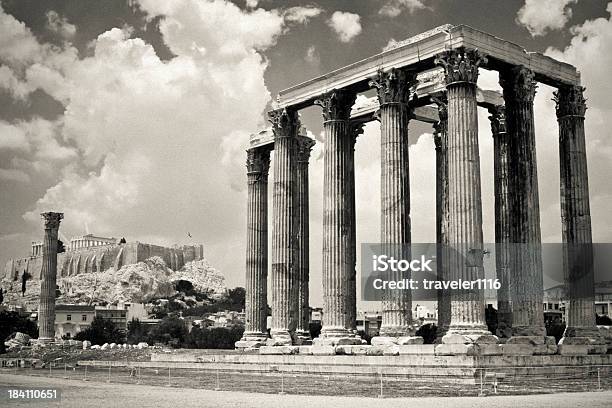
point(395, 86)
point(285, 123)
point(304, 146)
point(498, 119)
point(441, 126)
point(336, 104)
point(460, 65)
point(258, 161)
point(518, 84)
point(570, 101)
point(52, 219)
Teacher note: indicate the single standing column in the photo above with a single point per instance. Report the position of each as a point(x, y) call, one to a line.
point(355, 129)
point(337, 218)
point(255, 327)
point(576, 219)
point(527, 288)
point(464, 204)
point(395, 90)
point(285, 125)
point(502, 218)
point(46, 309)
point(303, 321)
point(442, 266)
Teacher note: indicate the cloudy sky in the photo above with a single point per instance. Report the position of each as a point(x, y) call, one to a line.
point(131, 117)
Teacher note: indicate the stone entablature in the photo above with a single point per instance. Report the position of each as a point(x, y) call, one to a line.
point(101, 258)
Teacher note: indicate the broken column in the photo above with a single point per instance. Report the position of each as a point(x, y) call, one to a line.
point(46, 309)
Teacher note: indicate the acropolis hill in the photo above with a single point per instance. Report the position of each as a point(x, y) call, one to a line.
point(90, 253)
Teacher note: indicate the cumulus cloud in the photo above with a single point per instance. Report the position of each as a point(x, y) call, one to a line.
point(393, 8)
point(540, 16)
point(301, 14)
point(148, 147)
point(60, 25)
point(346, 25)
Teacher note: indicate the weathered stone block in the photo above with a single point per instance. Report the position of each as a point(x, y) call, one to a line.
point(305, 350)
point(383, 341)
point(489, 349)
point(532, 340)
point(352, 350)
point(410, 340)
point(278, 350)
point(521, 349)
point(418, 349)
point(455, 349)
point(279, 341)
point(391, 351)
point(375, 351)
point(455, 339)
point(573, 349)
point(483, 339)
point(245, 344)
point(318, 350)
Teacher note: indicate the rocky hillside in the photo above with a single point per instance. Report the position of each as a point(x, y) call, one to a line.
point(140, 283)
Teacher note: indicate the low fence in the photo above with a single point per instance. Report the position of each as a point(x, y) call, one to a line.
point(501, 381)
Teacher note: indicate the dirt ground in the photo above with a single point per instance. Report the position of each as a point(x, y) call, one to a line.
point(77, 393)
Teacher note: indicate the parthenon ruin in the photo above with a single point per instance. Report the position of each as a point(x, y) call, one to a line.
point(432, 78)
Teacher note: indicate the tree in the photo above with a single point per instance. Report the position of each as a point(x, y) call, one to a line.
point(428, 332)
point(214, 337)
point(184, 286)
point(11, 322)
point(237, 298)
point(315, 329)
point(60, 247)
point(101, 331)
point(602, 320)
point(1, 296)
point(137, 332)
point(170, 331)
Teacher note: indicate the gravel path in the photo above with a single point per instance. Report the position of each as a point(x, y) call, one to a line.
point(93, 394)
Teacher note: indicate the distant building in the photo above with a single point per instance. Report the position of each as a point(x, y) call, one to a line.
point(71, 319)
point(116, 314)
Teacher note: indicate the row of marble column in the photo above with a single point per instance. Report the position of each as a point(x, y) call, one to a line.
point(458, 211)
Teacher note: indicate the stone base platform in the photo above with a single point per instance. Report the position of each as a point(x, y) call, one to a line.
point(423, 366)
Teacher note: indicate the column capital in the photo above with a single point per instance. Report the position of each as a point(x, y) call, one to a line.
point(304, 145)
point(570, 101)
point(285, 123)
point(395, 86)
point(518, 84)
point(336, 104)
point(258, 161)
point(460, 65)
point(52, 219)
point(356, 129)
point(497, 118)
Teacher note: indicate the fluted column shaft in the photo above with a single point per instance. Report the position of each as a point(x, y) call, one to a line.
point(576, 213)
point(501, 172)
point(394, 92)
point(46, 313)
point(303, 319)
point(527, 289)
point(442, 265)
point(258, 163)
point(284, 228)
point(337, 216)
point(464, 198)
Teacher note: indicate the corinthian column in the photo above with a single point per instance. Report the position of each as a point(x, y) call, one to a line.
point(284, 232)
point(442, 266)
point(303, 319)
point(395, 89)
point(464, 203)
point(576, 219)
point(338, 218)
point(255, 328)
point(501, 172)
point(519, 88)
point(46, 309)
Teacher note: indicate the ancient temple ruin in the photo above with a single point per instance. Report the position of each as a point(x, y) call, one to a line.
point(433, 78)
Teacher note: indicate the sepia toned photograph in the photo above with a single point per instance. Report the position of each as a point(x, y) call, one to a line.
point(247, 203)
